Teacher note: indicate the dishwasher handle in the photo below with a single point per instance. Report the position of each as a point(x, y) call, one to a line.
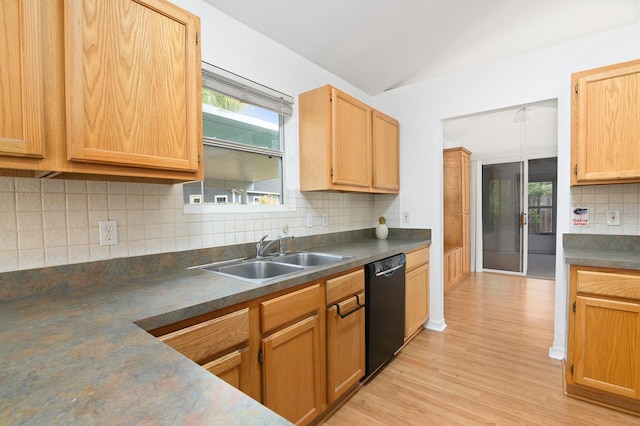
point(388, 271)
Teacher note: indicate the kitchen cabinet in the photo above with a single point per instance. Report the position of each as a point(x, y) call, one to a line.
point(453, 267)
point(21, 79)
point(292, 355)
point(416, 291)
point(605, 128)
point(345, 145)
point(118, 102)
point(221, 345)
point(299, 352)
point(345, 333)
point(603, 357)
point(386, 153)
point(457, 214)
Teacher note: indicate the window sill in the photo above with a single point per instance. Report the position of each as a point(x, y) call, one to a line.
point(235, 208)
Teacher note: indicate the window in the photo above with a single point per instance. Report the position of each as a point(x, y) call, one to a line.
point(243, 130)
point(541, 207)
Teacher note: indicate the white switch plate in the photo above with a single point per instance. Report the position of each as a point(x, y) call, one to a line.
point(108, 232)
point(325, 219)
point(405, 217)
point(613, 217)
point(309, 220)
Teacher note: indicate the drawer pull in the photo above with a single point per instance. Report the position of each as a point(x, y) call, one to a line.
point(357, 308)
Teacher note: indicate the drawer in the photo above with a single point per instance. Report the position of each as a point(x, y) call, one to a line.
point(202, 341)
point(608, 283)
point(289, 307)
point(417, 258)
point(346, 285)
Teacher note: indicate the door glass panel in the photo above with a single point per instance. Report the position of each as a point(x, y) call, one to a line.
point(501, 208)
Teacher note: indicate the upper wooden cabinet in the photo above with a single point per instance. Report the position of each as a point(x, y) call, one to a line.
point(345, 145)
point(21, 79)
point(386, 153)
point(132, 84)
point(605, 125)
point(122, 89)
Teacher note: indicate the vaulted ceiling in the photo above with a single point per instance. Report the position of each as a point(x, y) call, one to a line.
point(377, 45)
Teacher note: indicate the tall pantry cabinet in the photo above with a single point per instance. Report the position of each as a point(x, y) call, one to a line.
point(457, 215)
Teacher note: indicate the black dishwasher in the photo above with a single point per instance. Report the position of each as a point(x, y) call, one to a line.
point(384, 316)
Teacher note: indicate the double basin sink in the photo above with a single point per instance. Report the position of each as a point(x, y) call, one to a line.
point(264, 269)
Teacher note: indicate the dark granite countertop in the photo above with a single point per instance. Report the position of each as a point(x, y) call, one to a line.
point(81, 355)
point(609, 251)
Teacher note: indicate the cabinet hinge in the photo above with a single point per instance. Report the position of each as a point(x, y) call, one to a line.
point(332, 172)
point(576, 88)
point(571, 369)
point(198, 157)
point(196, 39)
point(260, 357)
point(575, 170)
point(330, 97)
point(574, 306)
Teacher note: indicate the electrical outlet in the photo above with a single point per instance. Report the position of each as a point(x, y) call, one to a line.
point(613, 217)
point(325, 219)
point(405, 217)
point(309, 220)
point(108, 232)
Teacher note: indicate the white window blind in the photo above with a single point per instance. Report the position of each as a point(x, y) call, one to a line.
point(246, 90)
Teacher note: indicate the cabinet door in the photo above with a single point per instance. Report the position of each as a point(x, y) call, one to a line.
point(345, 346)
point(416, 299)
point(606, 352)
point(351, 141)
point(291, 371)
point(446, 277)
point(605, 127)
point(132, 71)
point(386, 153)
point(21, 79)
point(232, 368)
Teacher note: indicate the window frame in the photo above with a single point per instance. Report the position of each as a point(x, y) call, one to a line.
point(237, 87)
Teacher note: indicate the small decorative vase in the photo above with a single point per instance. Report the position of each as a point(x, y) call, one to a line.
point(382, 231)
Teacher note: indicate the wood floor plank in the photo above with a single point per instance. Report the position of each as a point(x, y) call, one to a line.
point(489, 367)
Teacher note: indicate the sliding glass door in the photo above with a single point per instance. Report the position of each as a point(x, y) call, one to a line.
point(503, 217)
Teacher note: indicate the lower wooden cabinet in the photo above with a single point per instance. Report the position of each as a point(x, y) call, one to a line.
point(292, 359)
point(453, 267)
point(416, 291)
point(603, 359)
point(231, 367)
point(297, 353)
point(345, 333)
point(221, 345)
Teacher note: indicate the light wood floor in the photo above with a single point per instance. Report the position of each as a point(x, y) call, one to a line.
point(490, 366)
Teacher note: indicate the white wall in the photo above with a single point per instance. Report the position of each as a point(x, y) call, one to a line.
point(518, 80)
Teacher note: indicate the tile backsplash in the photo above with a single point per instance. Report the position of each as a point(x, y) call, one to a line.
point(50, 222)
point(599, 199)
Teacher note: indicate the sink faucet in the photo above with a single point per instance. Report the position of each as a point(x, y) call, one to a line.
point(261, 249)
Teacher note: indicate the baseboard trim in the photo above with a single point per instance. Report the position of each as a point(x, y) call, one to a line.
point(557, 353)
point(436, 325)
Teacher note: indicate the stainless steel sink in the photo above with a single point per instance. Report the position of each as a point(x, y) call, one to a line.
point(305, 258)
point(261, 270)
point(255, 270)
